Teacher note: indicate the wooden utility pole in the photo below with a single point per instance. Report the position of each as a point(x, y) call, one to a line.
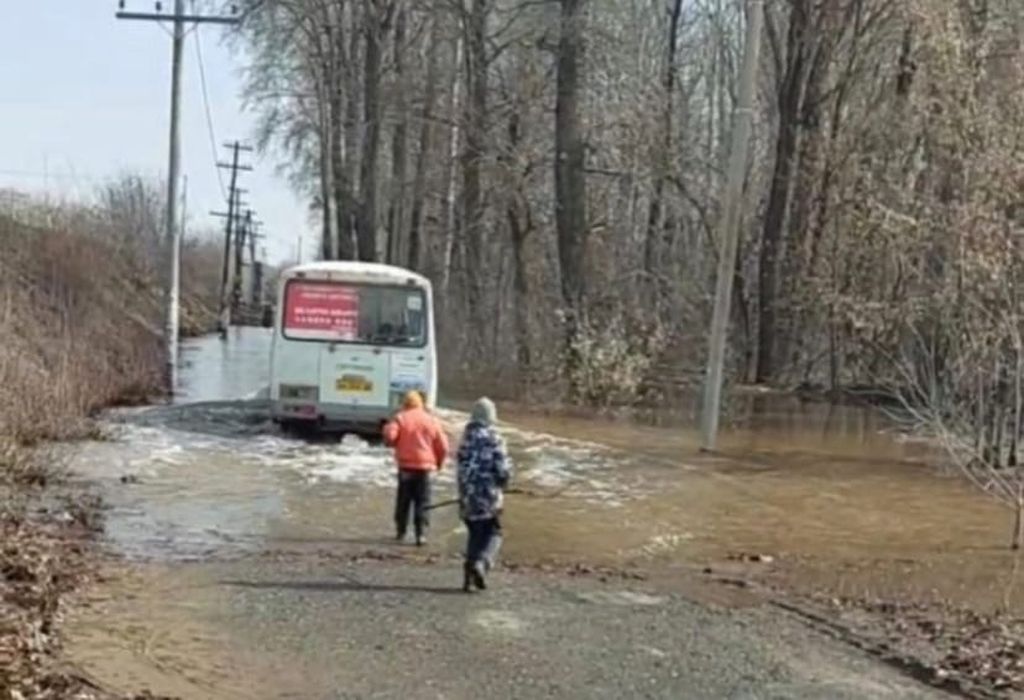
point(232, 217)
point(728, 231)
point(179, 19)
point(256, 279)
point(242, 231)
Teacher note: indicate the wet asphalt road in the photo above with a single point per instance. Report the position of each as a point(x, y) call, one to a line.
point(310, 628)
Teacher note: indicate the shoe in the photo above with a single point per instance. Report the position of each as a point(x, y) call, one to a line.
point(400, 536)
point(479, 576)
point(421, 540)
point(467, 578)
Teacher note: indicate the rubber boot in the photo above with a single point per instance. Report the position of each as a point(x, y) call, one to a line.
point(479, 576)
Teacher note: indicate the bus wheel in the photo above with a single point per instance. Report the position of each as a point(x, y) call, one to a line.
point(297, 429)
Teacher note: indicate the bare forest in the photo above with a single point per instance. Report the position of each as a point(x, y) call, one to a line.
point(556, 168)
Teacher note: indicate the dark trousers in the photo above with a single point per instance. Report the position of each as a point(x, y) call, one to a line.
point(413, 494)
point(484, 541)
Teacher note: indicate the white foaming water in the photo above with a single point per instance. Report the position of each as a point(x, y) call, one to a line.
point(193, 481)
point(564, 466)
point(216, 450)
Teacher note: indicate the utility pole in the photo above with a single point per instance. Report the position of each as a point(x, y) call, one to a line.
point(236, 281)
point(174, 318)
point(179, 19)
point(728, 230)
point(255, 280)
point(234, 207)
point(255, 235)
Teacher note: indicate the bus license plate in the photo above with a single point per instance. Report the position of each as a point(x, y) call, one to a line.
point(351, 384)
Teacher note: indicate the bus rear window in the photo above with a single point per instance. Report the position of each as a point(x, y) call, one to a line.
point(352, 313)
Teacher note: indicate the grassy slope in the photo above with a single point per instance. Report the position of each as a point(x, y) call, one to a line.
point(79, 331)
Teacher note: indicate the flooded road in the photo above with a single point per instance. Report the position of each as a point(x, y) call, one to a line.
point(830, 495)
point(825, 489)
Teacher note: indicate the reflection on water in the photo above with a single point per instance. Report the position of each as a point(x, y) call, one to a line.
point(830, 492)
point(215, 370)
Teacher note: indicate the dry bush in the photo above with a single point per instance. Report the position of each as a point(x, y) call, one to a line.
point(200, 277)
point(932, 289)
point(610, 360)
point(79, 332)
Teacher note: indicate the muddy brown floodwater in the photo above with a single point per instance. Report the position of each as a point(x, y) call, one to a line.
point(831, 495)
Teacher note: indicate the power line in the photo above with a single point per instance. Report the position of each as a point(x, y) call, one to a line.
point(180, 19)
point(209, 114)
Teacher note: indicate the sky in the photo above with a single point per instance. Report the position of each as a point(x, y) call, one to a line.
point(85, 97)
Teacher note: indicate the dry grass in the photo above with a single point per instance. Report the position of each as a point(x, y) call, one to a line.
point(80, 316)
point(79, 320)
point(79, 332)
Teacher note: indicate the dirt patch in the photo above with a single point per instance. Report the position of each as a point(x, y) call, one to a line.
point(42, 559)
point(47, 553)
point(977, 655)
point(963, 651)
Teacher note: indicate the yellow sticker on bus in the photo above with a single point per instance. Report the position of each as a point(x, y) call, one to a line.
point(354, 383)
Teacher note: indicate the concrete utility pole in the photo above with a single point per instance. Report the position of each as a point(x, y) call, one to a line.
point(179, 19)
point(173, 320)
point(728, 231)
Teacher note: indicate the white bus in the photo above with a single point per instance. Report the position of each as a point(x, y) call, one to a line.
point(350, 339)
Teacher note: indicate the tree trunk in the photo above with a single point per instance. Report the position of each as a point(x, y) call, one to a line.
point(789, 98)
point(329, 241)
point(425, 143)
point(343, 197)
point(344, 114)
point(448, 205)
point(1018, 525)
point(396, 208)
point(655, 217)
point(472, 157)
point(791, 341)
point(519, 231)
point(376, 21)
point(521, 285)
point(570, 179)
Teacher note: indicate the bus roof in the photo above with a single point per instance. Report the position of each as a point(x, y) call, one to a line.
point(356, 271)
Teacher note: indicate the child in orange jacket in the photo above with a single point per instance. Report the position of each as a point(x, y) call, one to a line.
point(421, 448)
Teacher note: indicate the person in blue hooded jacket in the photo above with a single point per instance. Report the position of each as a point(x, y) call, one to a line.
point(484, 471)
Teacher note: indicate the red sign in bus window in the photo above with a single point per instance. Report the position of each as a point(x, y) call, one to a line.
point(315, 310)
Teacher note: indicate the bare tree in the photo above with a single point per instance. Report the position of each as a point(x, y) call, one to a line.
point(534, 227)
point(377, 18)
point(570, 178)
point(426, 145)
point(399, 146)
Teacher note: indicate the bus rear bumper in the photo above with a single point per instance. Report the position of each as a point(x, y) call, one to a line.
point(331, 418)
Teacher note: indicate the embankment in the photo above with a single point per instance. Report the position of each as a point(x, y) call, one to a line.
point(79, 332)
